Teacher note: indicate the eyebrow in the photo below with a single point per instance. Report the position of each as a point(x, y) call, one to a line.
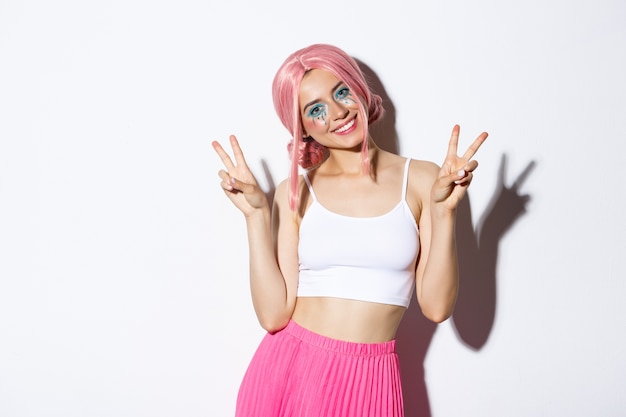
point(317, 99)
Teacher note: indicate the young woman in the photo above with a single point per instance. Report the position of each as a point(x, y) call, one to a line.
point(351, 234)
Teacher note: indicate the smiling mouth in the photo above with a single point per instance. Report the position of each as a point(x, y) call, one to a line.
point(346, 127)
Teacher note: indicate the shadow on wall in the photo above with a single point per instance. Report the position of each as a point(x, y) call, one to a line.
point(476, 304)
point(478, 255)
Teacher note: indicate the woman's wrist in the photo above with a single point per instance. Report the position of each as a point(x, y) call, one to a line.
point(260, 214)
point(439, 212)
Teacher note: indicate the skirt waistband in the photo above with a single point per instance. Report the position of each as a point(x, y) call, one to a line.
point(339, 346)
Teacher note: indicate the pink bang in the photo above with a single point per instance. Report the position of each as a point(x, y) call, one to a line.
point(285, 92)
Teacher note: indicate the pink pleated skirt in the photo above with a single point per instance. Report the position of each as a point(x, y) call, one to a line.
point(298, 373)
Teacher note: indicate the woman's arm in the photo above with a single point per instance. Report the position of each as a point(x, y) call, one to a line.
point(270, 238)
point(274, 263)
point(437, 272)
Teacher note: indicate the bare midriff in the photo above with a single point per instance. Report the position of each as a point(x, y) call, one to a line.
point(349, 320)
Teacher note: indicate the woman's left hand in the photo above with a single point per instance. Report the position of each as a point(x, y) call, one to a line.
point(455, 174)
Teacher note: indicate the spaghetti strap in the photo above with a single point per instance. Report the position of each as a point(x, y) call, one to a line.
point(308, 183)
point(405, 180)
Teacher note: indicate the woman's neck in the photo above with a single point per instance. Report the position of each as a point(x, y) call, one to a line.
point(350, 162)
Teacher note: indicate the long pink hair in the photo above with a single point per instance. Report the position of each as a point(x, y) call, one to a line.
point(285, 91)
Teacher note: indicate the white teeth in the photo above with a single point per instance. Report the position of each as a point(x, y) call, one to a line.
point(345, 127)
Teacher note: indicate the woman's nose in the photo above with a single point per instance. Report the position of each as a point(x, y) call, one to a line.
point(338, 110)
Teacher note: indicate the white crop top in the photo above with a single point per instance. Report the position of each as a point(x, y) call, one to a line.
point(360, 258)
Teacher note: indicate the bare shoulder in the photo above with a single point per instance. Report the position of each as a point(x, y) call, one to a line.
point(422, 173)
point(281, 194)
point(282, 198)
point(422, 176)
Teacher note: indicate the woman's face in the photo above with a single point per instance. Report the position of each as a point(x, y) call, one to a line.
point(330, 111)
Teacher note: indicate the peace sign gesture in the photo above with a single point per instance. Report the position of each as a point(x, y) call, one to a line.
point(455, 174)
point(238, 181)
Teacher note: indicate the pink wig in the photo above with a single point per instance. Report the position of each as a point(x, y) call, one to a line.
point(286, 89)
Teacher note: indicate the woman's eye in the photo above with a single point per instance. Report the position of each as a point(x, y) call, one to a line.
point(316, 111)
point(342, 93)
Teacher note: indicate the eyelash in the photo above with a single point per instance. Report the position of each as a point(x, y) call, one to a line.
point(342, 93)
point(318, 111)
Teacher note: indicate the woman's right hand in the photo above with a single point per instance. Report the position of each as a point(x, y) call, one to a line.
point(238, 182)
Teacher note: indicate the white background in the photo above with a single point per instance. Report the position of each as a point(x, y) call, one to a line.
point(123, 268)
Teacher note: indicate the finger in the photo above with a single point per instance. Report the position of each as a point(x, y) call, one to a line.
point(237, 152)
point(471, 151)
point(232, 183)
point(227, 187)
point(241, 186)
point(454, 141)
point(225, 176)
point(465, 180)
point(228, 163)
point(458, 176)
point(471, 165)
point(451, 178)
point(226, 183)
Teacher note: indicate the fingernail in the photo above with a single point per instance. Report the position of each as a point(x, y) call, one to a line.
point(461, 173)
point(233, 180)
